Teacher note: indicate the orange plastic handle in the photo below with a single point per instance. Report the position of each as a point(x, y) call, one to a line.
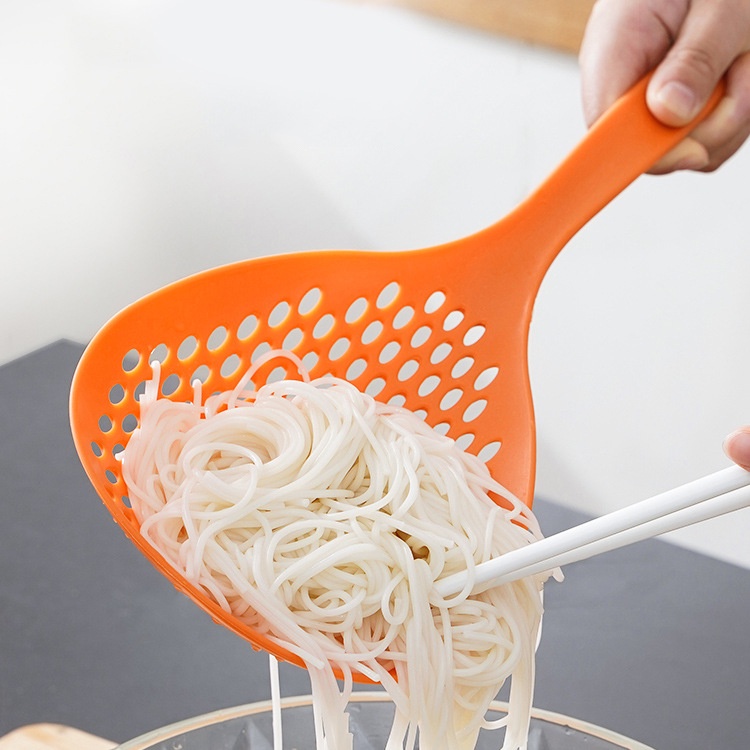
point(625, 142)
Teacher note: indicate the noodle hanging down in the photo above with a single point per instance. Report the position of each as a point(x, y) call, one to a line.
point(322, 518)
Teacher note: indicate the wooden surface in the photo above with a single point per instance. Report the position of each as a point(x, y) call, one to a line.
point(52, 737)
point(556, 23)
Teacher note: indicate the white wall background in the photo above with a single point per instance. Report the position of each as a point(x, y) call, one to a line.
point(142, 141)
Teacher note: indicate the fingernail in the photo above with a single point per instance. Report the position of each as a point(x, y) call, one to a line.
point(678, 99)
point(737, 446)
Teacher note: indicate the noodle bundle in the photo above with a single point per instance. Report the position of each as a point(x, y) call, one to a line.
point(322, 518)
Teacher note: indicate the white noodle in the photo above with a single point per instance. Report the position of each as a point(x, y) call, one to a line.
point(321, 518)
point(273, 669)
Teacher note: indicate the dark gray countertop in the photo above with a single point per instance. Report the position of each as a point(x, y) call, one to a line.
point(650, 641)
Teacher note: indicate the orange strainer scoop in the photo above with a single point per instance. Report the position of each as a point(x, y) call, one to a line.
point(442, 330)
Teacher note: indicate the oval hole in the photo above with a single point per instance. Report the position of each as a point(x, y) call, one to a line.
point(420, 336)
point(372, 331)
point(434, 302)
point(388, 295)
point(452, 320)
point(389, 351)
point(105, 423)
point(131, 360)
point(278, 314)
point(451, 398)
point(356, 369)
point(375, 386)
point(216, 338)
point(339, 349)
point(116, 394)
point(428, 385)
point(171, 384)
point(489, 451)
point(263, 348)
point(356, 310)
point(187, 348)
point(474, 409)
point(474, 334)
point(408, 369)
point(403, 317)
point(440, 352)
point(310, 301)
point(159, 354)
point(230, 365)
point(129, 423)
point(485, 378)
point(464, 441)
point(293, 339)
point(324, 326)
point(310, 360)
point(247, 328)
point(201, 373)
point(462, 367)
point(277, 374)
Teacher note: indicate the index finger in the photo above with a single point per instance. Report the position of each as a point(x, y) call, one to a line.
point(623, 41)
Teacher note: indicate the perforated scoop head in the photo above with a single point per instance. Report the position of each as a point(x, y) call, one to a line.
point(443, 330)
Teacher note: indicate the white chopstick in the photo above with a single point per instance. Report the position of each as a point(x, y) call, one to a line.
point(710, 496)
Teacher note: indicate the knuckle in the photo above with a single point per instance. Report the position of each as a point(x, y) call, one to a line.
point(698, 61)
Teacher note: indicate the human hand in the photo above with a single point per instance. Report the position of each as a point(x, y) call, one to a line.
point(691, 45)
point(737, 447)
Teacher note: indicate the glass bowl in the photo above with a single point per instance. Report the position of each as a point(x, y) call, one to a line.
point(249, 727)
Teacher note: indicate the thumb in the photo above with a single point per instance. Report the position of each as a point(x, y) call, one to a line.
point(711, 37)
point(737, 447)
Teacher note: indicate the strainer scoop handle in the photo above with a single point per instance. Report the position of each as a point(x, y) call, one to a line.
point(625, 142)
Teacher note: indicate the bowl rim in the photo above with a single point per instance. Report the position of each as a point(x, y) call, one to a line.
point(147, 740)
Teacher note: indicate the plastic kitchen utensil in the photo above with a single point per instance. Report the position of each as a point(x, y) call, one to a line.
point(443, 330)
point(708, 497)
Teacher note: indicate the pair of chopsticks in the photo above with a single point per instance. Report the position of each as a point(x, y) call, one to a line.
point(708, 497)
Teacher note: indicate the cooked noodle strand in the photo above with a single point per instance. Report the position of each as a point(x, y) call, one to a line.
point(322, 518)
